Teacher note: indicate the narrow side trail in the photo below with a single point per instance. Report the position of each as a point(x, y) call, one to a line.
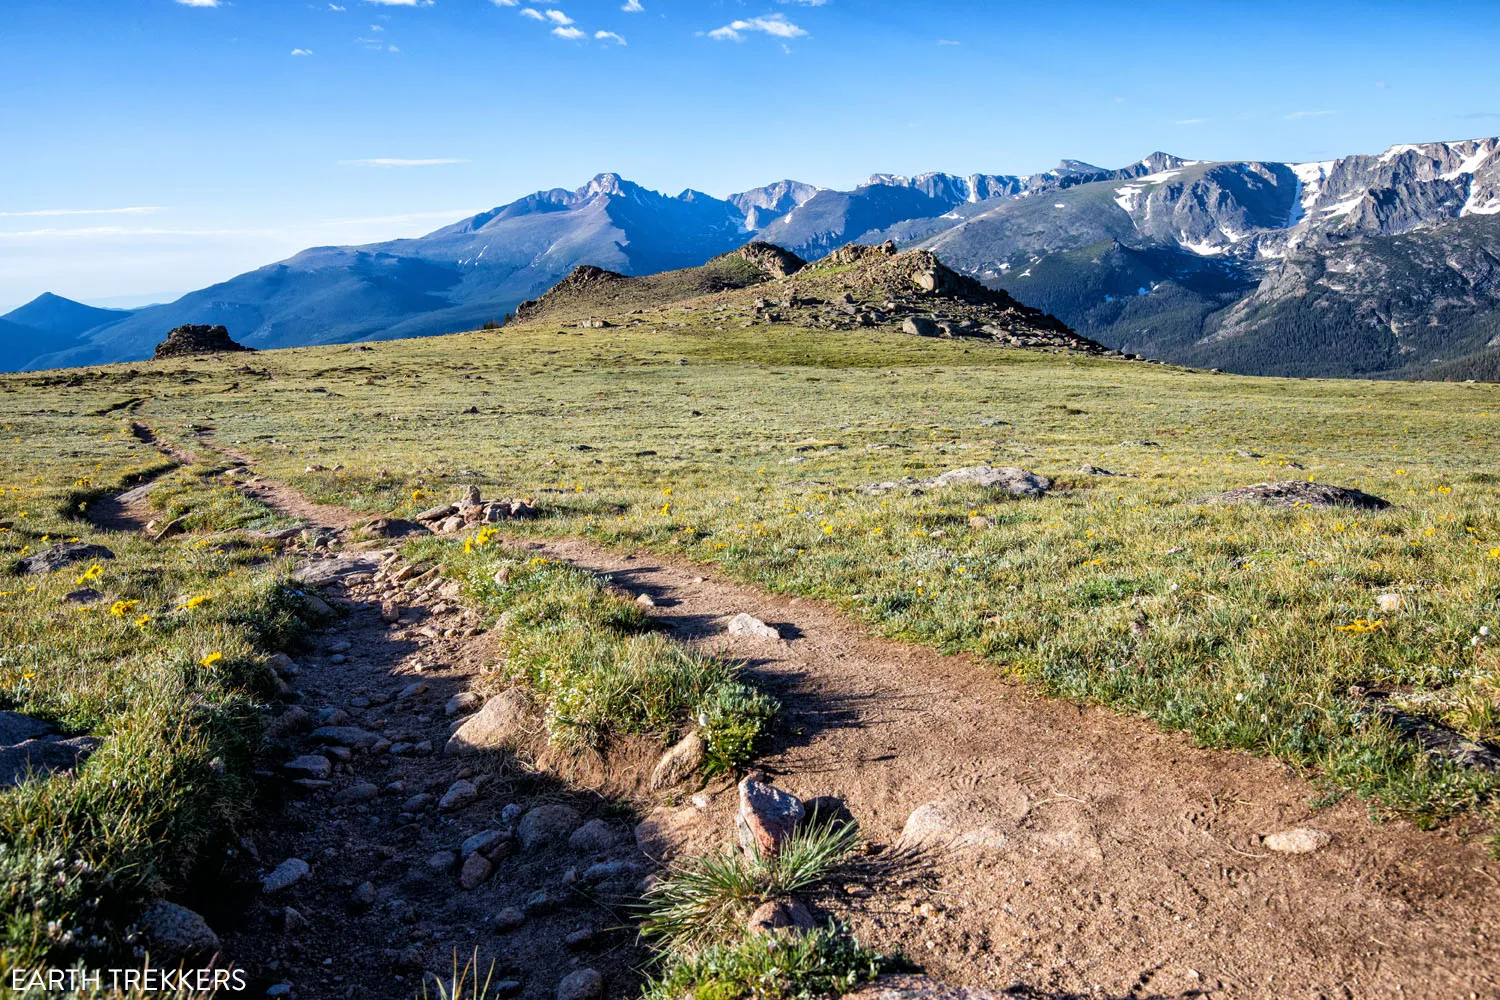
point(1092, 854)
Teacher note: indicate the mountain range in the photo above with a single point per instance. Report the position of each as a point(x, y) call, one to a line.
point(1381, 265)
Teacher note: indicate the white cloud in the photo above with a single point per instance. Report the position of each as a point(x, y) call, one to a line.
point(390, 161)
point(334, 6)
point(106, 232)
point(49, 212)
point(558, 17)
point(199, 3)
point(609, 36)
point(775, 25)
point(503, 3)
point(569, 33)
point(533, 13)
point(632, 7)
point(948, 41)
point(1310, 114)
point(1190, 121)
point(401, 3)
point(302, 52)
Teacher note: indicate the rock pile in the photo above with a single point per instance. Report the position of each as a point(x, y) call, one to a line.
point(197, 339)
point(448, 518)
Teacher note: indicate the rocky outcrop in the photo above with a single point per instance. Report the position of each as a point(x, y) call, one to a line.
point(770, 258)
point(50, 560)
point(1293, 493)
point(32, 747)
point(1006, 479)
point(197, 339)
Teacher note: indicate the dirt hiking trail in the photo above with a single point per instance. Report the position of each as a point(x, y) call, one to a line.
point(1085, 853)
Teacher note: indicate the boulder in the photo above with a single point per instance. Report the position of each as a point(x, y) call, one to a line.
point(1294, 493)
point(1017, 482)
point(176, 932)
point(547, 825)
point(54, 558)
point(326, 571)
point(504, 721)
point(920, 326)
point(44, 756)
point(681, 762)
point(766, 818)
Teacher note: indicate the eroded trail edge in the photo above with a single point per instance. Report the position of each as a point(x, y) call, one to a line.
point(1082, 852)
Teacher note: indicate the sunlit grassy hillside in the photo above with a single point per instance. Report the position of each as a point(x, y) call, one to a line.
point(1250, 628)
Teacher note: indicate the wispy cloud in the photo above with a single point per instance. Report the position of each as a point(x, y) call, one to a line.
point(199, 3)
point(570, 33)
point(609, 36)
point(302, 52)
point(632, 7)
point(392, 161)
point(1190, 121)
point(948, 41)
point(1310, 114)
point(401, 3)
point(117, 232)
point(532, 13)
point(503, 3)
point(775, 25)
point(50, 212)
point(558, 17)
point(1480, 115)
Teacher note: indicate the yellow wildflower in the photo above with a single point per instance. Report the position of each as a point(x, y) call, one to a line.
point(211, 659)
point(122, 608)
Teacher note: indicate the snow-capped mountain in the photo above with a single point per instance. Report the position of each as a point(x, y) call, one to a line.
point(1367, 264)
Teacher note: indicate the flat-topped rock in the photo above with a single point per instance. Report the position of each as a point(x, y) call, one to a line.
point(196, 338)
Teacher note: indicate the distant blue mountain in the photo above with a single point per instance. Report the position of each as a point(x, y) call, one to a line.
point(47, 324)
point(1359, 265)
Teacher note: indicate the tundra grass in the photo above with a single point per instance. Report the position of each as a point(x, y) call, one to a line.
point(593, 660)
point(166, 667)
point(1249, 628)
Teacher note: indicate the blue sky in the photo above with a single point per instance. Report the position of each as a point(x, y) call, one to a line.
point(205, 137)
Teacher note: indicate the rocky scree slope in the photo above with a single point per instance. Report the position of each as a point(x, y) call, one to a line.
point(856, 287)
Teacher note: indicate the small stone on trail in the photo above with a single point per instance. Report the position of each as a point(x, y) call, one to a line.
point(442, 861)
point(502, 722)
point(390, 611)
point(509, 918)
point(360, 791)
point(285, 875)
point(789, 916)
point(593, 836)
point(464, 701)
point(767, 817)
point(1389, 602)
point(744, 624)
point(458, 795)
point(585, 984)
point(1298, 841)
point(363, 894)
point(176, 931)
point(417, 803)
point(547, 824)
point(340, 646)
point(412, 690)
point(477, 869)
point(645, 601)
point(479, 842)
point(311, 766)
point(680, 762)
